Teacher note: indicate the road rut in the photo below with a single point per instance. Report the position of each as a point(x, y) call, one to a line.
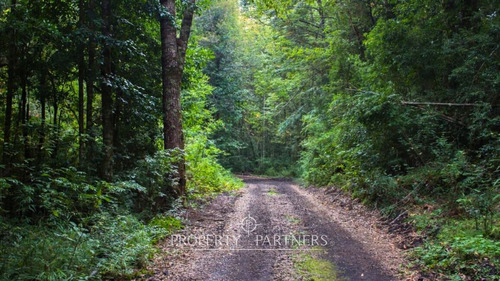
point(275, 210)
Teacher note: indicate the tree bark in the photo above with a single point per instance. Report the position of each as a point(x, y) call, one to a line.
point(23, 111)
point(90, 84)
point(55, 104)
point(107, 98)
point(55, 107)
point(43, 92)
point(81, 78)
point(116, 119)
point(11, 88)
point(172, 61)
point(117, 116)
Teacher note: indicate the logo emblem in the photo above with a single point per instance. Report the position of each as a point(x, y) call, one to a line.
point(249, 225)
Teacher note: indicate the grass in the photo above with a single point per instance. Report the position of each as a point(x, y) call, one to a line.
point(312, 267)
point(292, 219)
point(272, 191)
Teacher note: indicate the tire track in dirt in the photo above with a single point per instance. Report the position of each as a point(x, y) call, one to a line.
point(278, 207)
point(348, 254)
point(245, 264)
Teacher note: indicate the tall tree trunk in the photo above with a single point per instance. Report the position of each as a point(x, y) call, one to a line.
point(359, 36)
point(116, 124)
point(116, 118)
point(107, 98)
point(55, 106)
point(90, 83)
point(11, 88)
point(43, 92)
point(23, 110)
point(172, 61)
point(81, 78)
point(27, 149)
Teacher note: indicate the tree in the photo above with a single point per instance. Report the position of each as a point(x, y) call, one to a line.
point(81, 78)
point(90, 78)
point(107, 97)
point(11, 87)
point(172, 62)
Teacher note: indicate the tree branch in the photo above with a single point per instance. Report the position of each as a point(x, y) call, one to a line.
point(440, 103)
point(185, 32)
point(309, 23)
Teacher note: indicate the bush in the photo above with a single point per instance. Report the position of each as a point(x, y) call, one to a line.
point(164, 226)
point(476, 257)
point(205, 175)
point(154, 177)
point(59, 224)
point(110, 245)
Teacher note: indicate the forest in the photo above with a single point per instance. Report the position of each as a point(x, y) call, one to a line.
point(116, 115)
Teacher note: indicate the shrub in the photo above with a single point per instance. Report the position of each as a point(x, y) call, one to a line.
point(110, 245)
point(476, 257)
point(205, 175)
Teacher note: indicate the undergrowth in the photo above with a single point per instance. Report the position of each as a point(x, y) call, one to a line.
point(456, 248)
point(61, 224)
point(454, 204)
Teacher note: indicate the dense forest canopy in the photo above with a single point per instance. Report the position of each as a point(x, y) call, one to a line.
point(396, 102)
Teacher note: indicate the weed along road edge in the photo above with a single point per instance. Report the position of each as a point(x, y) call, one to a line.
point(275, 230)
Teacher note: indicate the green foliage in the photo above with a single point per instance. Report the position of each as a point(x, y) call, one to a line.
point(455, 247)
point(110, 245)
point(317, 89)
point(154, 177)
point(206, 176)
point(66, 227)
point(164, 226)
point(58, 220)
point(52, 193)
point(473, 256)
point(328, 99)
point(71, 229)
point(314, 268)
point(219, 30)
point(480, 205)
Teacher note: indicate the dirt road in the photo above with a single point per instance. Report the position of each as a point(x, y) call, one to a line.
point(275, 230)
